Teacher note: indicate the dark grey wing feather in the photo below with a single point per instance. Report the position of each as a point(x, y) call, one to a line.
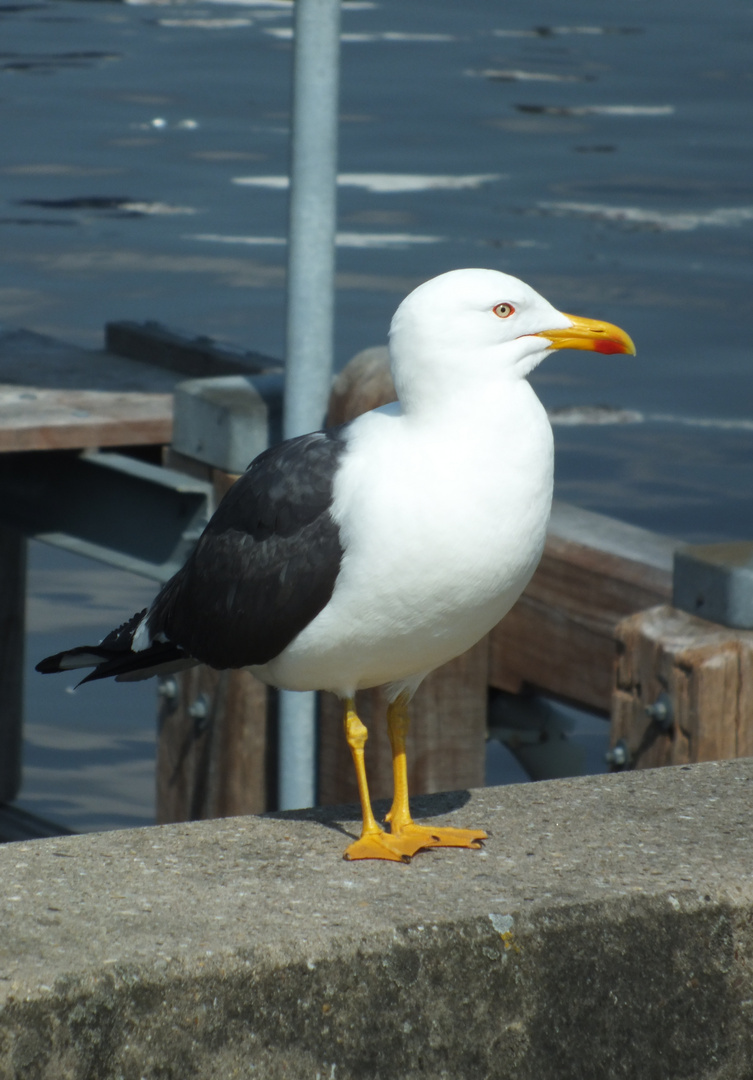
point(266, 563)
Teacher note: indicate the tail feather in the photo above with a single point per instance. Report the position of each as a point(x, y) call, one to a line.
point(115, 657)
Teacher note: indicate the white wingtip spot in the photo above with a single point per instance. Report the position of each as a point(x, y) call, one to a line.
point(141, 638)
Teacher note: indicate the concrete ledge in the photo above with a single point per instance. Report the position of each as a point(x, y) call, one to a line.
point(606, 931)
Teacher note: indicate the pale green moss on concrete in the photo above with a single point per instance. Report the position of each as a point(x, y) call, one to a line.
point(606, 931)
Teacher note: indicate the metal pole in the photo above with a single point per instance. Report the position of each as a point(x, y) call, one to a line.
point(310, 314)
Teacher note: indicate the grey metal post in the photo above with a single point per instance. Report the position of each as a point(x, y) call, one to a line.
point(310, 312)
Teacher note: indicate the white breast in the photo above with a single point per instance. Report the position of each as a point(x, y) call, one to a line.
point(442, 524)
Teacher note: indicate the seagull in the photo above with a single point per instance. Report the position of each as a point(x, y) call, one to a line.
point(371, 553)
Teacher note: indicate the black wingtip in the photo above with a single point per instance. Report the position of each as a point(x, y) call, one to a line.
point(50, 665)
point(115, 658)
point(70, 659)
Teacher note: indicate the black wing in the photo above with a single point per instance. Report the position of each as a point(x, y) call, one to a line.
point(264, 567)
point(266, 563)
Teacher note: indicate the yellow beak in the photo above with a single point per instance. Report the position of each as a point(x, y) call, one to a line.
point(591, 334)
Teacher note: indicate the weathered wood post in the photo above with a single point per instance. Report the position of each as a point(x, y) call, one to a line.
point(212, 758)
point(684, 684)
point(12, 624)
point(684, 690)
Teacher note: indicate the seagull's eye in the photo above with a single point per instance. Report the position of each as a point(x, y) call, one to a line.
point(503, 311)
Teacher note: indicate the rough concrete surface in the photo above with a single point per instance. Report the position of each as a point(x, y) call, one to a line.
point(606, 931)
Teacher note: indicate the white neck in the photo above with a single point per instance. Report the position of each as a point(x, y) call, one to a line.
point(437, 380)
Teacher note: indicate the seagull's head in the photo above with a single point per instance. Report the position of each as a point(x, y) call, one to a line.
point(473, 326)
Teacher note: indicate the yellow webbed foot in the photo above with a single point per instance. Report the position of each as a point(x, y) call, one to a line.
point(383, 845)
point(432, 836)
point(405, 837)
point(402, 825)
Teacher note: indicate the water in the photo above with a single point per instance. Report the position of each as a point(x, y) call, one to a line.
point(601, 151)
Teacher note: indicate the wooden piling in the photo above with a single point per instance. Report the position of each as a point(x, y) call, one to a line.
point(706, 672)
point(212, 746)
point(12, 628)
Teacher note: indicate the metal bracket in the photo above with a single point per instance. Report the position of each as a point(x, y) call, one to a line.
point(715, 582)
point(226, 422)
point(107, 506)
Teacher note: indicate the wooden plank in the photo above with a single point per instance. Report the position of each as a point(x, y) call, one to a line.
point(446, 745)
point(34, 419)
point(12, 627)
point(707, 671)
point(745, 705)
point(57, 396)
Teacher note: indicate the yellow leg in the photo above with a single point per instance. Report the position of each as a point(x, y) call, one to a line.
point(402, 824)
point(398, 723)
point(374, 842)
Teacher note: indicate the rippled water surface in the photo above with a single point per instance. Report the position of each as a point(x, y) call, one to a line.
point(600, 150)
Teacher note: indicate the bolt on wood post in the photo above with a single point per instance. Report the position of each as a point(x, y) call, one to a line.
point(212, 753)
point(705, 670)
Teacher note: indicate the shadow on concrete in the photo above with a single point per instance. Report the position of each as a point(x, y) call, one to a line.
point(339, 817)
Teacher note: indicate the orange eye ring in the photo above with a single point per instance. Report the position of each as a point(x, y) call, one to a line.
point(503, 311)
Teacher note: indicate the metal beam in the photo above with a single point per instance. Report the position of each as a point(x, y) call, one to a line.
point(116, 509)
